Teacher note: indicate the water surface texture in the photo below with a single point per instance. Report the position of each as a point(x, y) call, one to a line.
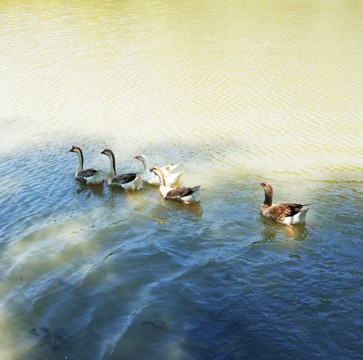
point(238, 92)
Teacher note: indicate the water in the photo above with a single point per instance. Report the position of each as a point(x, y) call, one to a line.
point(239, 93)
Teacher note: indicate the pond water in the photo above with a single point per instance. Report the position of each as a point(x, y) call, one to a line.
point(238, 92)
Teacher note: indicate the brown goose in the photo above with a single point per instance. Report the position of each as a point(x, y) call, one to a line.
point(130, 181)
point(183, 194)
point(284, 213)
point(87, 176)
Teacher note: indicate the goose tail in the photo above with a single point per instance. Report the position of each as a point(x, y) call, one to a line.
point(96, 179)
point(196, 194)
point(300, 217)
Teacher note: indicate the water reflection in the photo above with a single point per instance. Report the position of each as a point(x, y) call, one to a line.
point(180, 208)
point(96, 190)
point(273, 231)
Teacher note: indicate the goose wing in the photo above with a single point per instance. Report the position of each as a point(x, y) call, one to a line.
point(283, 210)
point(167, 169)
point(124, 178)
point(179, 192)
point(86, 173)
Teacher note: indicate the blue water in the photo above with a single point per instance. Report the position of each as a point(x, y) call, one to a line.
point(94, 273)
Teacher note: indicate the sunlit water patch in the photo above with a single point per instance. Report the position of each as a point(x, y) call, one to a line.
point(238, 93)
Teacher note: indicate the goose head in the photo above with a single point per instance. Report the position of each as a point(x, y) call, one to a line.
point(142, 158)
point(111, 156)
point(108, 152)
point(76, 149)
point(266, 186)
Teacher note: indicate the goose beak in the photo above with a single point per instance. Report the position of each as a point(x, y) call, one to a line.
point(137, 157)
point(103, 152)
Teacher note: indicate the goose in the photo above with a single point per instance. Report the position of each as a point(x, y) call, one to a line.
point(183, 194)
point(87, 176)
point(284, 213)
point(130, 181)
point(152, 179)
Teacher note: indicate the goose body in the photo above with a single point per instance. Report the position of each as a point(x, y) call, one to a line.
point(152, 179)
point(182, 194)
point(130, 181)
point(284, 213)
point(86, 176)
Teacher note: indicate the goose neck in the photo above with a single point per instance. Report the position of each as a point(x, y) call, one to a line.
point(80, 159)
point(160, 175)
point(111, 156)
point(145, 163)
point(268, 196)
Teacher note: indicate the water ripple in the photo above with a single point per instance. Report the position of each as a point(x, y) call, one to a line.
point(236, 92)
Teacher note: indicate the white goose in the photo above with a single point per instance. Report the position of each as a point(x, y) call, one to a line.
point(152, 179)
point(130, 181)
point(183, 194)
point(284, 213)
point(87, 176)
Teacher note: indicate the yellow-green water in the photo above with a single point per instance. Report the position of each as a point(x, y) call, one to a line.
point(237, 91)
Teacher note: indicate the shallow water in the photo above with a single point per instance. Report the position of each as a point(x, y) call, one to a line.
point(239, 93)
